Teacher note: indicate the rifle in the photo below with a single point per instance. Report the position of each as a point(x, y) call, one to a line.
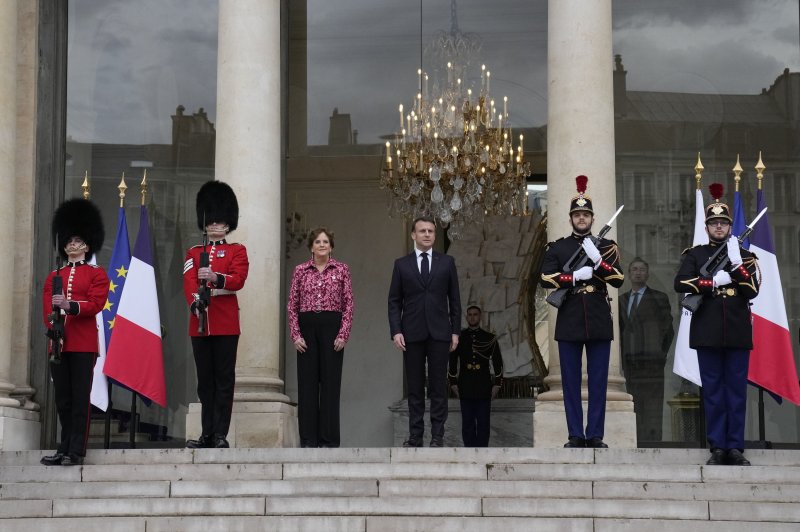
point(716, 262)
point(203, 292)
point(578, 260)
point(56, 331)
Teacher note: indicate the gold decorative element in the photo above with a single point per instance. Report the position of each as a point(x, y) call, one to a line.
point(590, 288)
point(581, 202)
point(730, 292)
point(698, 168)
point(760, 170)
point(85, 185)
point(143, 186)
point(717, 209)
point(122, 188)
point(737, 170)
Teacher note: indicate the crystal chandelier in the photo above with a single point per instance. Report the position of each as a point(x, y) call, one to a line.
point(453, 156)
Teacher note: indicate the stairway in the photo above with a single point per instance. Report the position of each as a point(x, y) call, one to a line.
point(377, 489)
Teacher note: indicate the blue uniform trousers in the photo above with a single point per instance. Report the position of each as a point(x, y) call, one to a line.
point(597, 356)
point(724, 376)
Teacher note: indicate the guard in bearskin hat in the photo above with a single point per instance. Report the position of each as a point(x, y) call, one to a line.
point(212, 274)
point(81, 293)
point(721, 330)
point(584, 318)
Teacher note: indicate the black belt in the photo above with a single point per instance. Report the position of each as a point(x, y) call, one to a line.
point(725, 291)
point(586, 289)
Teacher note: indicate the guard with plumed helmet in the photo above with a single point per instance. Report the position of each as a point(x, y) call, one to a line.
point(584, 317)
point(71, 298)
point(212, 275)
point(721, 330)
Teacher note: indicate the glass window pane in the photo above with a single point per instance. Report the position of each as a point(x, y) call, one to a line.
point(714, 78)
point(141, 94)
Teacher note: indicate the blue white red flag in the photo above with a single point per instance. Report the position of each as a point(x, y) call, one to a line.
point(135, 358)
point(772, 363)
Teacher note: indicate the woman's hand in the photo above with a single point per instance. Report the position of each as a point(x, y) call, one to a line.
point(338, 344)
point(300, 345)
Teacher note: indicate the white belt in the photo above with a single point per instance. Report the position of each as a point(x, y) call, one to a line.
point(221, 292)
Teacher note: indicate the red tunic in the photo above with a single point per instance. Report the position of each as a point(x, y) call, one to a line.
point(229, 260)
point(87, 286)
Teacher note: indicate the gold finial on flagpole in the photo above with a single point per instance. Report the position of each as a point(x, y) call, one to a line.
point(85, 185)
point(737, 170)
point(143, 185)
point(760, 170)
point(122, 188)
point(698, 168)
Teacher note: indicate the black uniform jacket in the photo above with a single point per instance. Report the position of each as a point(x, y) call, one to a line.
point(469, 364)
point(723, 320)
point(586, 311)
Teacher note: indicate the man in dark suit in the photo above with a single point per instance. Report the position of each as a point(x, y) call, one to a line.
point(424, 323)
point(646, 328)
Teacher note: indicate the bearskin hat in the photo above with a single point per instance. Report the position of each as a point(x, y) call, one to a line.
point(78, 217)
point(216, 203)
point(717, 209)
point(581, 202)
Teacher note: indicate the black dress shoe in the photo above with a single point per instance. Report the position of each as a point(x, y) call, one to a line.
point(220, 442)
point(735, 457)
point(203, 442)
point(596, 443)
point(437, 442)
point(717, 457)
point(71, 460)
point(53, 459)
point(574, 443)
point(412, 442)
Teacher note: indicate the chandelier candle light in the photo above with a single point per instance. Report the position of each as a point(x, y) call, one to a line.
point(453, 156)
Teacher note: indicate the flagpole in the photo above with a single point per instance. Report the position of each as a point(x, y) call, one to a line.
point(134, 396)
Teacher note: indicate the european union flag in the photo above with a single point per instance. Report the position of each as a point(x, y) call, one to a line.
point(117, 274)
point(739, 222)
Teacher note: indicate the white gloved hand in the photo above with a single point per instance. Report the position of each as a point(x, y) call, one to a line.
point(721, 278)
point(582, 274)
point(734, 254)
point(591, 251)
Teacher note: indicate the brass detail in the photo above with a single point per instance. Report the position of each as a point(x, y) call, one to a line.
point(730, 292)
point(590, 288)
point(581, 202)
point(698, 168)
point(717, 209)
point(760, 169)
point(737, 170)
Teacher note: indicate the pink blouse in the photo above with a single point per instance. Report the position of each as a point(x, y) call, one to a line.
point(315, 291)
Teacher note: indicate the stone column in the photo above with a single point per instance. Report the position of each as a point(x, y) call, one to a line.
point(248, 157)
point(580, 140)
point(18, 427)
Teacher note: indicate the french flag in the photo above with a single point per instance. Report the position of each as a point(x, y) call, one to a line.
point(771, 361)
point(135, 358)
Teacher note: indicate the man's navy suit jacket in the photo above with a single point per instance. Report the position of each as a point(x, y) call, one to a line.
point(419, 311)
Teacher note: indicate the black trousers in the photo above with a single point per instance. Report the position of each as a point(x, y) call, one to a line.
point(475, 422)
point(319, 379)
point(437, 354)
point(72, 381)
point(215, 359)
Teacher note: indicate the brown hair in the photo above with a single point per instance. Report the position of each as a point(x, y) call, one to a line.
point(428, 219)
point(314, 233)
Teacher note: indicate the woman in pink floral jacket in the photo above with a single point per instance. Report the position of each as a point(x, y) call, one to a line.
point(320, 312)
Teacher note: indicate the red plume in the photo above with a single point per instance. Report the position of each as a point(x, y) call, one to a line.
point(580, 182)
point(716, 190)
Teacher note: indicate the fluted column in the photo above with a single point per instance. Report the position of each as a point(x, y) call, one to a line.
point(580, 140)
point(8, 144)
point(248, 156)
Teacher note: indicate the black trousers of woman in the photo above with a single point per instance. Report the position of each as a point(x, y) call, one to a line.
point(72, 382)
point(319, 379)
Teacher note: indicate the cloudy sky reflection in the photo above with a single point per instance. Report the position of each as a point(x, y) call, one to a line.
point(131, 62)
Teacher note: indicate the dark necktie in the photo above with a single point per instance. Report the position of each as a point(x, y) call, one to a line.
point(426, 268)
point(634, 303)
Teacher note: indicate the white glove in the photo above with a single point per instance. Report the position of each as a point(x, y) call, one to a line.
point(721, 278)
point(734, 254)
point(582, 274)
point(591, 251)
